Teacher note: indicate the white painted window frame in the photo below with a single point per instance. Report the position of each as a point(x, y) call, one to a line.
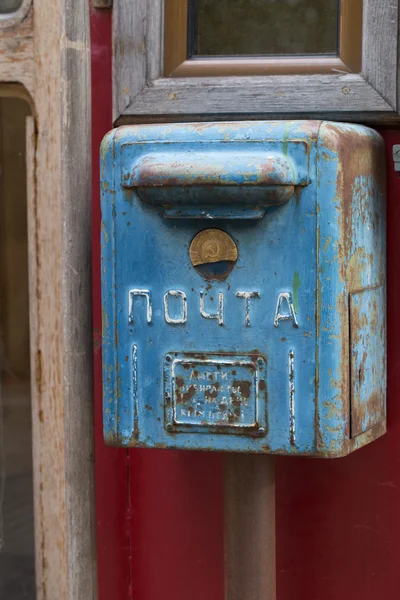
point(141, 92)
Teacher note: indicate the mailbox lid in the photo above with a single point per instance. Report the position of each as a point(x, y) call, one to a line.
point(209, 172)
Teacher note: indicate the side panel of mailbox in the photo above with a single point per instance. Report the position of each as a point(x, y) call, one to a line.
point(108, 286)
point(365, 240)
point(351, 241)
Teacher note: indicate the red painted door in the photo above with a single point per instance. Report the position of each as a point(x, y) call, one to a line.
point(160, 514)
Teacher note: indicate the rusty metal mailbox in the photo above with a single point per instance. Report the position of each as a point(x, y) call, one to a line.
point(243, 287)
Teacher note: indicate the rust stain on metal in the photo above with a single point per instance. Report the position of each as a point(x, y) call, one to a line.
point(184, 397)
point(212, 393)
point(244, 387)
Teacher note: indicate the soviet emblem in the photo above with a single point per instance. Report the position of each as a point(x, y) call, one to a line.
point(213, 254)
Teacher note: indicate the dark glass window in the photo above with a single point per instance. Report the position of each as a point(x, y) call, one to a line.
point(17, 559)
point(9, 6)
point(263, 27)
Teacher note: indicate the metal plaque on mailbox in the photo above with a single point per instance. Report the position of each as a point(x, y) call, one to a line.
point(243, 287)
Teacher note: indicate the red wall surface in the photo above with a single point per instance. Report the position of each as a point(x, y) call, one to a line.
point(338, 521)
point(110, 463)
point(160, 513)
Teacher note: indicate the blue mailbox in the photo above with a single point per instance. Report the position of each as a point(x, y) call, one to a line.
point(243, 287)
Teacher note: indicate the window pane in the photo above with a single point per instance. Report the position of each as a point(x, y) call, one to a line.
point(17, 572)
point(9, 6)
point(263, 27)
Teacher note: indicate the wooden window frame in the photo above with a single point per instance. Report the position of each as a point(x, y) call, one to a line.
point(141, 91)
point(176, 63)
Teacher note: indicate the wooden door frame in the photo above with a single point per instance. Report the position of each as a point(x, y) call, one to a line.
point(45, 58)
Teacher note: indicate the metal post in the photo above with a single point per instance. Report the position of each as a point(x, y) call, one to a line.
point(249, 527)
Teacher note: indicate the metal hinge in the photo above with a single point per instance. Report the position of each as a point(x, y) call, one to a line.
point(396, 157)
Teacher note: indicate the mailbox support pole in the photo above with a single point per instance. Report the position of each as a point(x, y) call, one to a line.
point(250, 566)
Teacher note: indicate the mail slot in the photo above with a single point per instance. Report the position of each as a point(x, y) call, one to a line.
point(243, 287)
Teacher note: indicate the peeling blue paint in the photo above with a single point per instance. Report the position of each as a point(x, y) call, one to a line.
point(196, 364)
